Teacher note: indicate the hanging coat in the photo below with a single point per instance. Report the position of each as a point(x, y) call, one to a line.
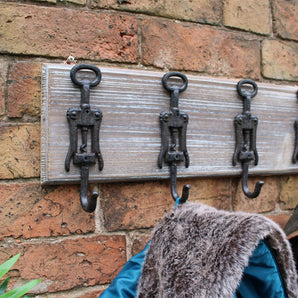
point(197, 251)
point(291, 230)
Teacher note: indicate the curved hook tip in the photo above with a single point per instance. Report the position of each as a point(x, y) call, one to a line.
point(89, 203)
point(245, 189)
point(256, 192)
point(185, 193)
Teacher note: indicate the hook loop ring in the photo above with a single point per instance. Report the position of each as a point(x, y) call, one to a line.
point(174, 87)
point(78, 67)
point(247, 93)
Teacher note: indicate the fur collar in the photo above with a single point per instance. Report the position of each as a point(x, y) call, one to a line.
point(198, 251)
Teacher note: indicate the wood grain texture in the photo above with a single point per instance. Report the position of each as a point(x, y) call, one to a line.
point(131, 101)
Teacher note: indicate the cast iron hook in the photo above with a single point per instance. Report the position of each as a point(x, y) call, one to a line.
point(246, 133)
point(295, 154)
point(84, 119)
point(173, 134)
point(186, 188)
point(88, 203)
point(174, 90)
point(245, 189)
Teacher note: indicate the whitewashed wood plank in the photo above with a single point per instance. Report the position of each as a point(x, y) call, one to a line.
point(131, 101)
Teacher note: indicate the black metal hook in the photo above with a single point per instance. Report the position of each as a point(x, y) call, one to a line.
point(173, 134)
point(245, 189)
point(295, 154)
point(88, 203)
point(84, 119)
point(246, 133)
point(173, 180)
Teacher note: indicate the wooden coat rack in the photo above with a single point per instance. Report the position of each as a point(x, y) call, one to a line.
point(131, 101)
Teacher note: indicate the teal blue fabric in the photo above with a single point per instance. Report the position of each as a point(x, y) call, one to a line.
point(177, 202)
point(261, 278)
point(125, 283)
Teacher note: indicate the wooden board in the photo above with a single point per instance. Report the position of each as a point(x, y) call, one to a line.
point(131, 101)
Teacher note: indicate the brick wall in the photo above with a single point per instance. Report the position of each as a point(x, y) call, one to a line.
point(77, 254)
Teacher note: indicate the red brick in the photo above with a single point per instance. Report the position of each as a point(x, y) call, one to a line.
point(279, 60)
point(3, 78)
point(265, 202)
point(79, 2)
point(173, 45)
point(253, 15)
point(196, 10)
point(289, 192)
point(89, 292)
point(27, 211)
point(215, 192)
point(19, 151)
point(128, 206)
point(24, 89)
point(68, 263)
point(60, 32)
point(285, 18)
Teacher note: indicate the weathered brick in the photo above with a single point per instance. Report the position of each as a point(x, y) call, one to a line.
point(59, 32)
point(289, 192)
point(24, 89)
point(279, 60)
point(79, 2)
point(3, 78)
point(68, 263)
point(90, 292)
point(215, 192)
point(196, 10)
point(128, 206)
point(190, 47)
point(265, 202)
point(253, 15)
point(285, 18)
point(19, 151)
point(27, 210)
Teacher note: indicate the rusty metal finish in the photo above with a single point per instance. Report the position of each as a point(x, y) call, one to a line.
point(295, 155)
point(246, 132)
point(82, 120)
point(173, 125)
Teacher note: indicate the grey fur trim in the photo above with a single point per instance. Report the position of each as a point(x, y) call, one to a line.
point(197, 251)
